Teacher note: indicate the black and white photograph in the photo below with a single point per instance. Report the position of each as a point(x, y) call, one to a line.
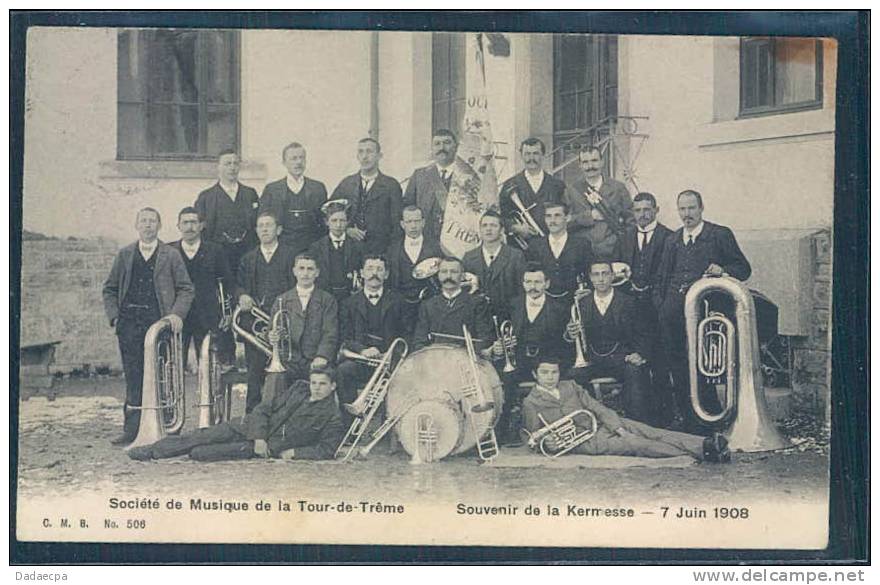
point(426, 287)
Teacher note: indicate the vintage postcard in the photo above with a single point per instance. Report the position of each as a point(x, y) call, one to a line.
point(426, 288)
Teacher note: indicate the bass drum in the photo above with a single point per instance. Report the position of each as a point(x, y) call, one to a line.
point(428, 389)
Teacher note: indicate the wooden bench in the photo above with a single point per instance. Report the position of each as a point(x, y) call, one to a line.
point(34, 360)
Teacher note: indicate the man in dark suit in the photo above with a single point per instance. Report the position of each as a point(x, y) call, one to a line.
point(600, 207)
point(641, 247)
point(614, 344)
point(447, 312)
point(497, 266)
point(564, 256)
point(229, 210)
point(538, 324)
point(534, 188)
point(696, 249)
point(314, 321)
point(339, 256)
point(370, 320)
point(148, 282)
point(403, 255)
point(206, 265)
point(429, 186)
point(264, 274)
point(375, 200)
point(296, 201)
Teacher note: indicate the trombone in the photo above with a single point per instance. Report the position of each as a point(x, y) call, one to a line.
point(474, 401)
point(504, 333)
point(564, 433)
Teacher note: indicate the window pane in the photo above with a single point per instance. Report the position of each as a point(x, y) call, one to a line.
point(749, 74)
point(585, 110)
point(174, 130)
point(764, 77)
point(566, 117)
point(572, 62)
point(222, 131)
point(220, 62)
point(174, 75)
point(457, 60)
point(795, 71)
point(132, 63)
point(448, 80)
point(440, 115)
point(131, 131)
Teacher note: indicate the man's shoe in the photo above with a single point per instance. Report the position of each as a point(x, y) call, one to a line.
point(123, 439)
point(142, 453)
point(715, 449)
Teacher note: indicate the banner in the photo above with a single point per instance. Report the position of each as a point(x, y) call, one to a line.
point(474, 186)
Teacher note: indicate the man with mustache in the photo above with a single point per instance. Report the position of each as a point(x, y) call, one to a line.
point(538, 322)
point(696, 249)
point(296, 201)
point(564, 256)
point(374, 199)
point(534, 188)
point(593, 196)
point(148, 282)
point(229, 210)
point(206, 265)
point(370, 321)
point(429, 186)
point(446, 312)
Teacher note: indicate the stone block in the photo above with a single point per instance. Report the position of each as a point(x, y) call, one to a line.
point(822, 246)
point(822, 294)
point(822, 272)
point(811, 366)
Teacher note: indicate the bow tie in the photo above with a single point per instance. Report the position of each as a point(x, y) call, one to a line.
point(641, 231)
point(374, 297)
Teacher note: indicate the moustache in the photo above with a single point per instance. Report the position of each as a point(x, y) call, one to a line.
point(449, 280)
point(374, 277)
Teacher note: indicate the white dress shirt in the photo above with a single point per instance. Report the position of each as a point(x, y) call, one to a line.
point(304, 295)
point(490, 257)
point(646, 233)
point(448, 170)
point(268, 251)
point(535, 181)
point(597, 185)
point(534, 306)
point(557, 244)
point(602, 303)
point(377, 296)
point(147, 249)
point(552, 392)
point(413, 247)
point(231, 190)
point(685, 234)
point(295, 184)
point(450, 298)
point(367, 182)
point(191, 249)
point(337, 243)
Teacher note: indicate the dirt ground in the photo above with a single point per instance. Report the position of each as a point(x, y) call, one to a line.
point(64, 449)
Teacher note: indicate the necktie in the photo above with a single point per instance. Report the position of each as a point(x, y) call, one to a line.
point(337, 244)
point(445, 176)
point(643, 236)
point(690, 240)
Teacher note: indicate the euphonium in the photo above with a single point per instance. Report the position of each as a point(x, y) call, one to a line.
point(564, 432)
point(504, 333)
point(719, 348)
point(163, 406)
point(257, 334)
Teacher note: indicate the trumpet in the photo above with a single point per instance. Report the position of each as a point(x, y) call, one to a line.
point(371, 397)
point(357, 282)
point(564, 433)
point(504, 333)
point(225, 307)
point(280, 323)
point(474, 401)
point(580, 341)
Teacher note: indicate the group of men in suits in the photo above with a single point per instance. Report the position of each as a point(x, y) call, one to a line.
point(342, 270)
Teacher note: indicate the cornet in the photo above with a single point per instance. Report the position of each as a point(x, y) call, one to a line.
point(258, 334)
point(504, 333)
point(281, 324)
point(225, 307)
point(580, 340)
point(564, 433)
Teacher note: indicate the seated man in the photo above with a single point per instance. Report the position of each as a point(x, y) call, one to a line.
point(553, 399)
point(613, 341)
point(299, 422)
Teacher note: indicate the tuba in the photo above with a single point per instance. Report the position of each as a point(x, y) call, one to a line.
point(367, 404)
point(215, 396)
point(163, 406)
point(564, 432)
point(725, 351)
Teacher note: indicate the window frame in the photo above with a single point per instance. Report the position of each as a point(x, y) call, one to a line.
point(202, 105)
point(814, 104)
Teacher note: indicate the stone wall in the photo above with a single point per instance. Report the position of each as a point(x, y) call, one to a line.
point(61, 283)
point(812, 354)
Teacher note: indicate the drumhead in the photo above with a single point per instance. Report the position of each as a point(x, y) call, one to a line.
point(434, 427)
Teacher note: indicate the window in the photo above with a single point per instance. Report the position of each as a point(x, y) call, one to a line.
point(779, 75)
point(178, 94)
point(448, 80)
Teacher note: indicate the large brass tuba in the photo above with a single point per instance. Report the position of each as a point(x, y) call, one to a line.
point(215, 396)
point(163, 405)
point(724, 350)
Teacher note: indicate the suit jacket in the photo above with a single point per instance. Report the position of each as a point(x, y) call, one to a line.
point(624, 326)
point(355, 326)
point(618, 201)
point(501, 280)
point(723, 250)
point(549, 326)
point(563, 271)
point(174, 289)
point(382, 209)
point(302, 223)
point(571, 398)
point(436, 316)
point(247, 272)
point(628, 245)
point(399, 264)
point(427, 191)
point(552, 190)
point(207, 267)
point(352, 254)
point(206, 205)
point(314, 332)
point(289, 419)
